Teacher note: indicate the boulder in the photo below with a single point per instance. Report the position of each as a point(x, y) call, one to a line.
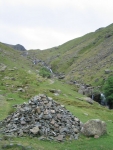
point(85, 90)
point(61, 77)
point(94, 127)
point(21, 90)
point(107, 71)
point(80, 91)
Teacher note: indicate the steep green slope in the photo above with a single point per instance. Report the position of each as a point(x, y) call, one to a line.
point(83, 59)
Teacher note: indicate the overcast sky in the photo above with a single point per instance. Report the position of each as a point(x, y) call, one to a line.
point(41, 24)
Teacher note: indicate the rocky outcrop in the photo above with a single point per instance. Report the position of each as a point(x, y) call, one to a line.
point(44, 117)
point(16, 47)
point(85, 90)
point(19, 47)
point(94, 127)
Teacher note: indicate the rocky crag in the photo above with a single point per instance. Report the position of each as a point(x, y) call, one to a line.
point(44, 118)
point(16, 47)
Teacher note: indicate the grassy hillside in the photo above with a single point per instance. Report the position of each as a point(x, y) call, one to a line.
point(13, 58)
point(87, 59)
point(83, 59)
point(20, 81)
point(82, 110)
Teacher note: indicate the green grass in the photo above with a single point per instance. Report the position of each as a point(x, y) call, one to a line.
point(68, 98)
point(70, 58)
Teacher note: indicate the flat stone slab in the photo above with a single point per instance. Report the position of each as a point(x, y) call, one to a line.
point(34, 130)
point(59, 137)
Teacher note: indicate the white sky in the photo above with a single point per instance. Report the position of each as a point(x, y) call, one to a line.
point(41, 24)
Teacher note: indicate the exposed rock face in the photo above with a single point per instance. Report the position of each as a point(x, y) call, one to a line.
point(94, 127)
point(19, 47)
point(85, 90)
point(42, 116)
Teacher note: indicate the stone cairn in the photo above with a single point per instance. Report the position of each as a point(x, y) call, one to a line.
point(44, 118)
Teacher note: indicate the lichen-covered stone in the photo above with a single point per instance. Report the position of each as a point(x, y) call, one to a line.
point(94, 127)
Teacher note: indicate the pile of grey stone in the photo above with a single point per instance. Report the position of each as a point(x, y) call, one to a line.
point(44, 118)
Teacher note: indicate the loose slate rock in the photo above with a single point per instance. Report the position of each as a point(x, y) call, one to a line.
point(59, 137)
point(42, 116)
point(34, 130)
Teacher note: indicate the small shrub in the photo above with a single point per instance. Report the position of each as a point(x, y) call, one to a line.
point(44, 72)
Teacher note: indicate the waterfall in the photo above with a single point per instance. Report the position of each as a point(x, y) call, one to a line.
point(34, 62)
point(103, 99)
point(49, 69)
point(92, 97)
